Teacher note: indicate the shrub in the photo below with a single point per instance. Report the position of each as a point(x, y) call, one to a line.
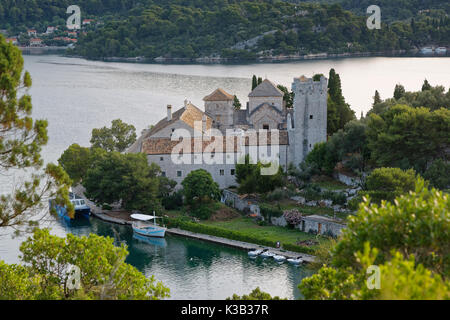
point(276, 195)
point(353, 203)
point(312, 192)
point(339, 198)
point(438, 174)
point(173, 201)
point(293, 217)
point(388, 183)
point(268, 211)
point(202, 212)
point(296, 248)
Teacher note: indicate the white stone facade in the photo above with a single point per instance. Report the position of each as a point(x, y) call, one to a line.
point(300, 129)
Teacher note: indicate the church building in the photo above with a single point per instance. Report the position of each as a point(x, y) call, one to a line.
point(298, 129)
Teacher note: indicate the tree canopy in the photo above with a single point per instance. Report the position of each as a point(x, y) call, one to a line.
point(128, 178)
point(21, 141)
point(409, 241)
point(48, 273)
point(117, 138)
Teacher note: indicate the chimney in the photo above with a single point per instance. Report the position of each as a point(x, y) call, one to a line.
point(169, 112)
point(185, 103)
point(204, 123)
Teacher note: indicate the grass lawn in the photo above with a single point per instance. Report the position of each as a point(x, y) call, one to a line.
point(332, 185)
point(273, 233)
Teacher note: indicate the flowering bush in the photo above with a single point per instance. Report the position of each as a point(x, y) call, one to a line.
point(292, 216)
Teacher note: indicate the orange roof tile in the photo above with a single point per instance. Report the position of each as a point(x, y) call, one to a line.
point(219, 95)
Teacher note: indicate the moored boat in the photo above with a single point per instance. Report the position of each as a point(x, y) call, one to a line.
point(267, 254)
point(144, 228)
point(298, 260)
point(257, 252)
point(441, 50)
point(278, 258)
point(426, 50)
point(80, 206)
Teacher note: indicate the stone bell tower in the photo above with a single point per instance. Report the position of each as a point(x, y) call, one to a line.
point(310, 117)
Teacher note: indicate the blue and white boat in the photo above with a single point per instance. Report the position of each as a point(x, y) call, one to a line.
point(144, 228)
point(80, 206)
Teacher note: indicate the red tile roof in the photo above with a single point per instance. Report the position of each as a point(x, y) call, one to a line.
point(154, 146)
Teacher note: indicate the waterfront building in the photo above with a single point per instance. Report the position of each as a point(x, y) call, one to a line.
point(244, 131)
point(51, 30)
point(35, 42)
point(13, 41)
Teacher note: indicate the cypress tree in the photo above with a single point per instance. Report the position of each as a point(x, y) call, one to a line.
point(399, 91)
point(254, 82)
point(426, 85)
point(376, 98)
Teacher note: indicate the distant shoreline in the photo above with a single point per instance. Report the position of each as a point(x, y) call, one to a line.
point(218, 60)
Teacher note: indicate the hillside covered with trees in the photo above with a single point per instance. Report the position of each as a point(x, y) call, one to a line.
point(244, 29)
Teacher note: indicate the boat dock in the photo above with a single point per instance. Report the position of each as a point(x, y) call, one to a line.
point(239, 244)
point(120, 219)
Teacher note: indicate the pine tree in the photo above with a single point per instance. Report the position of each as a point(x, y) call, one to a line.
point(21, 142)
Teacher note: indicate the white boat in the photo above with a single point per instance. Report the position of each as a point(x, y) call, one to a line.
point(426, 50)
point(257, 252)
point(297, 260)
point(279, 258)
point(267, 254)
point(144, 228)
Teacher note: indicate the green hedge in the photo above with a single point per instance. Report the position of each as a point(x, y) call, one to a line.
point(233, 235)
point(296, 248)
point(219, 232)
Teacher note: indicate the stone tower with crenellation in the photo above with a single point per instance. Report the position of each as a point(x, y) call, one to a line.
point(309, 123)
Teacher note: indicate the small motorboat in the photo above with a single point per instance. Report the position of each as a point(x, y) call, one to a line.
point(298, 260)
point(257, 252)
point(278, 258)
point(267, 254)
point(79, 204)
point(144, 228)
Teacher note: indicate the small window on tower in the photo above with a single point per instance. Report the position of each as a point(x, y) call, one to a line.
point(265, 127)
point(311, 116)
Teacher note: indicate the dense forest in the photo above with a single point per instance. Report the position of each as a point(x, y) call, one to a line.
point(199, 28)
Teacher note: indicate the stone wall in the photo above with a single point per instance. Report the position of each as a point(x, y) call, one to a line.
point(320, 225)
point(233, 200)
point(350, 181)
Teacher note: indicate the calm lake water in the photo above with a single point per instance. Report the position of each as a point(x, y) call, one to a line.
point(77, 95)
point(192, 269)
